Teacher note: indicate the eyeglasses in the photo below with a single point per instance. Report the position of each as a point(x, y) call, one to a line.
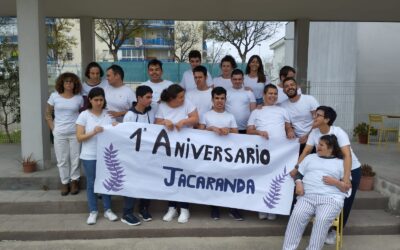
point(316, 115)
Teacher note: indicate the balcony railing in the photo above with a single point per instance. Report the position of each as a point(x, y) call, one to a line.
point(159, 23)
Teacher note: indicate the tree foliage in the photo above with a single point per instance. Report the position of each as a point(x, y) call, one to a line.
point(187, 35)
point(9, 90)
point(243, 35)
point(114, 32)
point(60, 42)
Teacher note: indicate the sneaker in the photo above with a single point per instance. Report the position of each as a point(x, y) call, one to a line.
point(271, 216)
point(172, 213)
point(91, 220)
point(331, 238)
point(110, 215)
point(215, 213)
point(234, 213)
point(145, 215)
point(64, 189)
point(74, 187)
point(262, 216)
point(184, 216)
point(130, 219)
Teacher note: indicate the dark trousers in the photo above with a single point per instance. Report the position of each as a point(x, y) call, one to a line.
point(181, 204)
point(348, 202)
point(129, 205)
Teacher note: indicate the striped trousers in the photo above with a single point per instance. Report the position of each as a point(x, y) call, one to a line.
point(324, 208)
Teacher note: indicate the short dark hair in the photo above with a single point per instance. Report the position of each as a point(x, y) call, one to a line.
point(289, 79)
point(269, 86)
point(94, 92)
point(329, 113)
point(171, 92)
point(285, 71)
point(93, 65)
point(230, 59)
point(332, 143)
point(117, 70)
point(142, 90)
point(68, 76)
point(155, 62)
point(218, 91)
point(201, 69)
point(237, 72)
point(194, 54)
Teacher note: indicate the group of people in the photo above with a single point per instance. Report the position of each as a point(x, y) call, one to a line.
point(235, 102)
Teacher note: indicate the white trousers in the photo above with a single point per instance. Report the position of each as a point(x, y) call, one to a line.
point(67, 150)
point(324, 208)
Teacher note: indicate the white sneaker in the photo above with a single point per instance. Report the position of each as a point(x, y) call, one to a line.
point(172, 213)
point(262, 216)
point(110, 215)
point(331, 238)
point(271, 216)
point(184, 216)
point(91, 220)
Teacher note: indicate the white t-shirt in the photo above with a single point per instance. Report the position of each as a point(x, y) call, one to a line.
point(219, 81)
point(238, 104)
point(300, 113)
point(66, 111)
point(202, 100)
point(219, 120)
point(175, 114)
point(271, 119)
point(257, 87)
point(157, 88)
point(314, 168)
point(86, 87)
point(282, 96)
point(119, 99)
point(88, 120)
point(188, 82)
point(147, 117)
point(343, 140)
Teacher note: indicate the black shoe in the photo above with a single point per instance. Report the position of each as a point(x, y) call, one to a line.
point(130, 219)
point(215, 213)
point(145, 215)
point(234, 213)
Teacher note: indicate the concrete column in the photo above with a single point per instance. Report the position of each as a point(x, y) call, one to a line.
point(301, 37)
point(87, 42)
point(33, 80)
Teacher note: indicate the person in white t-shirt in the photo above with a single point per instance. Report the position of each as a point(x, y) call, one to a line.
point(176, 112)
point(94, 74)
point(323, 125)
point(285, 72)
point(255, 78)
point(119, 96)
point(201, 96)
point(222, 123)
point(320, 193)
point(240, 102)
point(227, 64)
point(187, 81)
point(301, 109)
point(65, 102)
point(89, 123)
point(271, 121)
point(156, 83)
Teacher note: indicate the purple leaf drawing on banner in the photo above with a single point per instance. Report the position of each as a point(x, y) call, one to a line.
point(273, 196)
point(115, 181)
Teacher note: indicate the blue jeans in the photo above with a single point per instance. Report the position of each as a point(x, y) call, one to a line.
point(90, 172)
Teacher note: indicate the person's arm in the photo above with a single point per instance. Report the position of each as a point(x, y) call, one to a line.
point(167, 123)
point(329, 180)
point(289, 131)
point(202, 126)
point(82, 135)
point(116, 114)
point(252, 106)
point(234, 131)
point(306, 151)
point(347, 161)
point(251, 130)
point(193, 119)
point(49, 116)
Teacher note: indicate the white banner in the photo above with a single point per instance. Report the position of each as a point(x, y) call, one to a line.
point(237, 171)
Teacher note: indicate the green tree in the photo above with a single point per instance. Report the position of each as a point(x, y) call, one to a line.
point(114, 32)
point(243, 35)
point(60, 42)
point(9, 89)
point(187, 35)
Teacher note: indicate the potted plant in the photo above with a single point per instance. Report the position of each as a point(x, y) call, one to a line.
point(367, 178)
point(28, 164)
point(361, 130)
